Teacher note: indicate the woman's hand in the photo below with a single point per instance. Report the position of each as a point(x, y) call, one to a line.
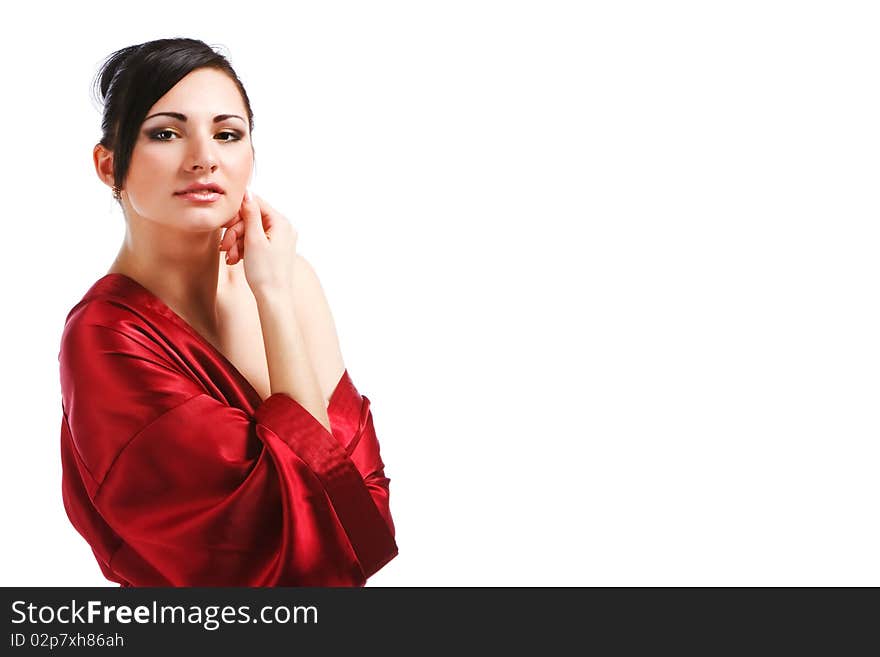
point(265, 240)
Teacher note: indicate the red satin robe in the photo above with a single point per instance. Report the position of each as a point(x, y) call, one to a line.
point(177, 473)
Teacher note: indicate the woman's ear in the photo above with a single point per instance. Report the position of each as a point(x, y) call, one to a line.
point(103, 159)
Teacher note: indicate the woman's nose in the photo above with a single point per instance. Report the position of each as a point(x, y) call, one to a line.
point(201, 153)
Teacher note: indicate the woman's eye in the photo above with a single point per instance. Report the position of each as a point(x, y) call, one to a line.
point(156, 135)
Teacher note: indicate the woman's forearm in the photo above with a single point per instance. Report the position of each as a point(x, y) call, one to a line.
point(290, 368)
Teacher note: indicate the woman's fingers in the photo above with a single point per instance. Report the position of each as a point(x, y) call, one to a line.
point(254, 213)
point(232, 255)
point(236, 252)
point(266, 212)
point(232, 235)
point(235, 228)
point(233, 220)
point(254, 224)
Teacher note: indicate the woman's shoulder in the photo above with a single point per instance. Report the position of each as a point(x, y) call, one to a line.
point(109, 318)
point(117, 373)
point(98, 315)
point(109, 298)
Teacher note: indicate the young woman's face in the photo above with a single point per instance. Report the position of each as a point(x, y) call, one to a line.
point(172, 153)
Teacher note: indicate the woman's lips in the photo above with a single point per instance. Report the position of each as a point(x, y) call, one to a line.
point(200, 197)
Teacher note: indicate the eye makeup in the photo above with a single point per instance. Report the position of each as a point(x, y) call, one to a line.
point(153, 134)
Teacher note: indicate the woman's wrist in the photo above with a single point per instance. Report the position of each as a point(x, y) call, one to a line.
point(273, 296)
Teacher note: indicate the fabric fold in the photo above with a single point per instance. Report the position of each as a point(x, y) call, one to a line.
point(177, 473)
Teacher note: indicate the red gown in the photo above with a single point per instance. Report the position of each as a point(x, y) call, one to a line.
point(177, 473)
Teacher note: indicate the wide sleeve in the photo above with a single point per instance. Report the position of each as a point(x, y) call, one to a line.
point(199, 493)
point(352, 423)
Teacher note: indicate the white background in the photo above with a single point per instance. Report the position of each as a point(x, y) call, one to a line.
point(607, 271)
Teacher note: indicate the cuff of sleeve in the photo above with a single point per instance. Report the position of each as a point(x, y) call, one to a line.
point(346, 412)
point(291, 422)
point(345, 399)
point(319, 449)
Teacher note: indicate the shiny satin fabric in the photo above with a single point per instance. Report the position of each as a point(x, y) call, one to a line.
point(177, 473)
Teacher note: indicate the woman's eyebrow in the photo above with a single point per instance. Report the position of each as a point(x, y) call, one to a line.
point(182, 117)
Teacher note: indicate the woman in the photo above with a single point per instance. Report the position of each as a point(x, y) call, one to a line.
point(211, 435)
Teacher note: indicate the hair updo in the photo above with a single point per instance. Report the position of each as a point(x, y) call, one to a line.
point(132, 79)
